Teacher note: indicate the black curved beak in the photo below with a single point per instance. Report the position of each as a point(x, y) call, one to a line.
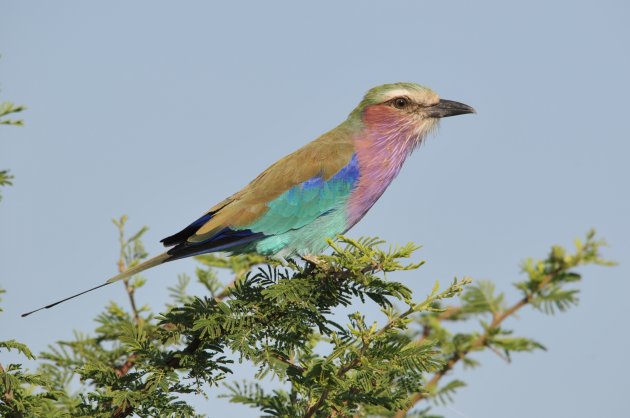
point(446, 108)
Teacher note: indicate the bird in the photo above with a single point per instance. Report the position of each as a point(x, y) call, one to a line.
point(319, 191)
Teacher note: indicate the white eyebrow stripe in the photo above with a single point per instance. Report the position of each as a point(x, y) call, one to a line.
point(415, 96)
point(396, 93)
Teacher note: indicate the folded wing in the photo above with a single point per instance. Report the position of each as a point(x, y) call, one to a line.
point(290, 194)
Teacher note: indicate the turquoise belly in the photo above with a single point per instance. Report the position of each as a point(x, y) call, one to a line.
point(310, 239)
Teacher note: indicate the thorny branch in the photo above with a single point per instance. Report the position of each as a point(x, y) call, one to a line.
point(483, 340)
point(477, 343)
point(174, 362)
point(367, 341)
point(8, 397)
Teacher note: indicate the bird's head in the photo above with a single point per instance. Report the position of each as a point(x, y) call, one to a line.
point(405, 110)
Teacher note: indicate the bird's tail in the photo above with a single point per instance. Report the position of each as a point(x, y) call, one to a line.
point(152, 262)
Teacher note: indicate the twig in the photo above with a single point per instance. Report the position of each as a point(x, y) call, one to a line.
point(479, 342)
point(8, 397)
point(174, 362)
point(132, 301)
point(355, 362)
point(313, 408)
point(448, 313)
point(365, 345)
point(288, 362)
point(121, 269)
point(124, 369)
point(226, 290)
point(500, 354)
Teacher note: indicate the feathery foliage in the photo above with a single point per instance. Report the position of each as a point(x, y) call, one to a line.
point(287, 320)
point(8, 108)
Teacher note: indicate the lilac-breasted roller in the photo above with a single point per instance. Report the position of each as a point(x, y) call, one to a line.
point(319, 191)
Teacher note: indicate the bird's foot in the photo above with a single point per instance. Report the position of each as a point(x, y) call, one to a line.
point(316, 261)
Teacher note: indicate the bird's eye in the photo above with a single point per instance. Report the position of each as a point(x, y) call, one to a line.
point(401, 102)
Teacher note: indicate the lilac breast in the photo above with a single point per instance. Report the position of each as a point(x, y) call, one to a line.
point(380, 160)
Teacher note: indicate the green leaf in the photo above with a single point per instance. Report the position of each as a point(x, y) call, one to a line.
point(8, 108)
point(481, 298)
point(21, 348)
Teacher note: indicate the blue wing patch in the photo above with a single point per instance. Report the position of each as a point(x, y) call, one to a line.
point(292, 210)
point(305, 202)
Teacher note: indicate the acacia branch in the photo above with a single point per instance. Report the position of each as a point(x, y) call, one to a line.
point(8, 396)
point(174, 362)
point(367, 341)
point(122, 267)
point(132, 300)
point(356, 361)
point(450, 312)
point(477, 343)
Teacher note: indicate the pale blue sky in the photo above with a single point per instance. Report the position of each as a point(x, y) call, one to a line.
point(159, 111)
